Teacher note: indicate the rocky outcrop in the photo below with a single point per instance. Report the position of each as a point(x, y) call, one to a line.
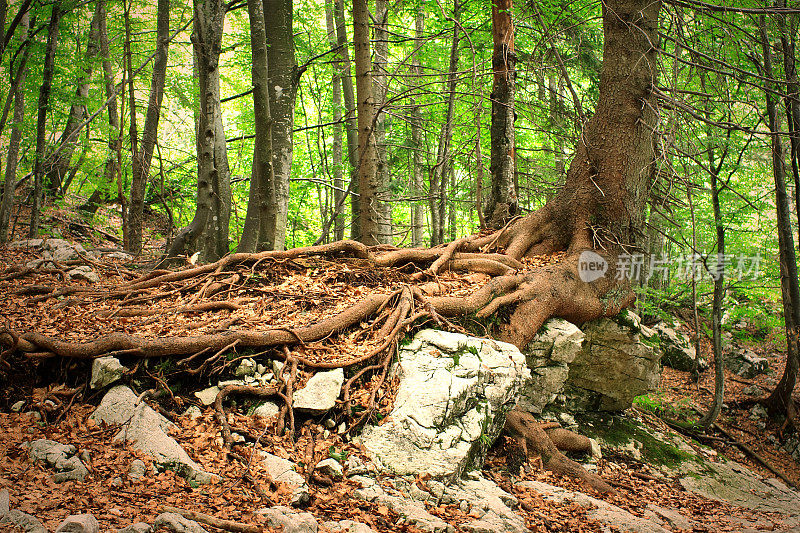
point(146, 430)
point(604, 366)
point(451, 403)
point(678, 351)
point(746, 363)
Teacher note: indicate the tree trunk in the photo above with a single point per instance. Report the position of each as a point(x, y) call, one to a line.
point(502, 205)
point(143, 156)
point(58, 165)
point(441, 171)
point(258, 207)
point(380, 80)
point(207, 225)
point(780, 401)
point(104, 191)
point(338, 152)
point(418, 207)
point(41, 119)
point(369, 203)
point(283, 80)
point(16, 136)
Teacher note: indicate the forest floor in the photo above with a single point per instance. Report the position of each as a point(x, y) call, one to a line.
point(33, 491)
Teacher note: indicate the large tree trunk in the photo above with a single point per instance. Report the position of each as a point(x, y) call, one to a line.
point(369, 202)
point(380, 81)
point(502, 204)
point(441, 171)
point(780, 401)
point(143, 156)
point(283, 80)
point(104, 191)
point(16, 136)
point(351, 125)
point(418, 207)
point(58, 165)
point(207, 225)
point(338, 152)
point(258, 206)
point(41, 119)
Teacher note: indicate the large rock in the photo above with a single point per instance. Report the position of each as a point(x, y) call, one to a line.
point(60, 456)
point(746, 363)
point(79, 523)
point(549, 355)
point(284, 471)
point(146, 430)
point(24, 521)
point(451, 403)
point(677, 350)
point(320, 393)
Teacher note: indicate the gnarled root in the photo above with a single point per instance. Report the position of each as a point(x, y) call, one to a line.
point(530, 436)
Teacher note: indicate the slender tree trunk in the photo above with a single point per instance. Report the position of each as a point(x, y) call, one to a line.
point(503, 203)
point(380, 80)
point(368, 188)
point(207, 225)
point(258, 206)
point(780, 401)
point(143, 156)
point(104, 191)
point(418, 207)
point(16, 137)
point(58, 166)
point(338, 152)
point(41, 120)
point(283, 80)
point(441, 171)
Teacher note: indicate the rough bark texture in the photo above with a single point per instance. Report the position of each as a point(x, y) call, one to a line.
point(58, 165)
point(143, 156)
point(283, 81)
point(41, 120)
point(338, 152)
point(502, 204)
point(211, 156)
point(380, 81)
point(417, 141)
point(104, 191)
point(441, 171)
point(369, 208)
point(258, 206)
point(15, 138)
point(780, 401)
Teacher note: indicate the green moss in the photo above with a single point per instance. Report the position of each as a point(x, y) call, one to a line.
point(619, 431)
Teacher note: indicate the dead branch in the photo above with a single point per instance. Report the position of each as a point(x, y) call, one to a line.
point(219, 523)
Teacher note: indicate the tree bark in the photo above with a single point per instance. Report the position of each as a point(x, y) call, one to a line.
point(16, 136)
point(207, 225)
point(417, 142)
point(58, 165)
point(112, 165)
point(258, 207)
point(503, 203)
point(143, 156)
point(41, 120)
point(380, 80)
point(441, 171)
point(351, 125)
point(283, 80)
point(369, 202)
point(338, 152)
point(780, 400)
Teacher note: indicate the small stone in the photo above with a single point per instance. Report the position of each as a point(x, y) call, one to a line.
point(177, 523)
point(122, 256)
point(17, 406)
point(758, 412)
point(193, 412)
point(79, 523)
point(116, 482)
point(105, 371)
point(266, 410)
point(330, 467)
point(329, 423)
point(291, 521)
point(320, 393)
point(83, 272)
point(246, 368)
point(207, 396)
point(5, 502)
point(137, 470)
point(277, 366)
point(464, 506)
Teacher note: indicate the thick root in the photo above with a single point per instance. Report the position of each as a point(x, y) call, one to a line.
point(533, 439)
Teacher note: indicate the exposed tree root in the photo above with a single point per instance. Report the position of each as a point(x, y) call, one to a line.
point(528, 433)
